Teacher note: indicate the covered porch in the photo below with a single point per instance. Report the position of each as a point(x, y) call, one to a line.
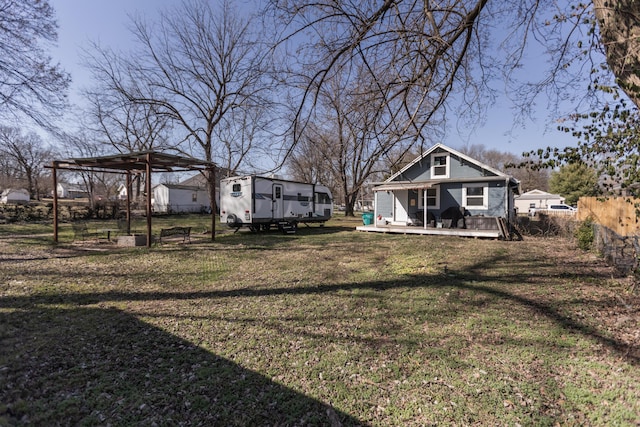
point(436, 207)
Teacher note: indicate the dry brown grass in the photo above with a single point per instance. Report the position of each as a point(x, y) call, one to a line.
point(325, 327)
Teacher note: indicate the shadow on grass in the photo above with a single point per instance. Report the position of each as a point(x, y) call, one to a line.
point(94, 366)
point(471, 279)
point(113, 368)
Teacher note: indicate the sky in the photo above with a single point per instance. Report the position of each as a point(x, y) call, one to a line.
point(84, 21)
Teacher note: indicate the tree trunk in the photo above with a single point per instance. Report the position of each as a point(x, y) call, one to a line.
point(348, 206)
point(619, 23)
point(349, 203)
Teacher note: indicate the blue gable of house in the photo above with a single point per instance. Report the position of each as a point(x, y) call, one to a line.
point(460, 167)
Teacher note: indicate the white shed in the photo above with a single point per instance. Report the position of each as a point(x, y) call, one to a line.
point(536, 199)
point(175, 198)
point(15, 196)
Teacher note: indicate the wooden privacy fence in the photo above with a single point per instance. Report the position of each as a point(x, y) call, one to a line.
point(616, 213)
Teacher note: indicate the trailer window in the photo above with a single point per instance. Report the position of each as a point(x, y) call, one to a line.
point(235, 188)
point(278, 192)
point(323, 199)
point(302, 198)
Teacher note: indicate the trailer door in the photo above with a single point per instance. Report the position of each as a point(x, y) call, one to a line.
point(278, 202)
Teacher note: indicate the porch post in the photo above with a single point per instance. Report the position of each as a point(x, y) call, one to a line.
point(424, 213)
point(375, 208)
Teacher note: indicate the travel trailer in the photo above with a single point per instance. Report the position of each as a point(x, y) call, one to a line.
point(259, 202)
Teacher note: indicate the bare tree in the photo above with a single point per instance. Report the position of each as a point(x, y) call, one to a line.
point(608, 133)
point(197, 66)
point(515, 165)
point(455, 47)
point(416, 53)
point(97, 183)
point(124, 125)
point(353, 132)
point(28, 155)
point(30, 84)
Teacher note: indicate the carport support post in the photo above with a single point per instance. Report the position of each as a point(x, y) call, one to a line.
point(148, 190)
point(212, 197)
point(55, 201)
point(128, 210)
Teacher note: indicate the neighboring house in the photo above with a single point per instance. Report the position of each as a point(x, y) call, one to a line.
point(536, 199)
point(121, 192)
point(178, 198)
point(15, 196)
point(67, 190)
point(200, 181)
point(440, 186)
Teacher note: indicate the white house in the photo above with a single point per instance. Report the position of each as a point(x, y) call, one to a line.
point(536, 199)
point(67, 190)
point(175, 198)
point(15, 196)
point(199, 180)
point(121, 192)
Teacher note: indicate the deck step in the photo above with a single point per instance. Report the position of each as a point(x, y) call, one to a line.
point(504, 230)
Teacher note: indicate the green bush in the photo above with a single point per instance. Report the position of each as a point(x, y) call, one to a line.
point(584, 234)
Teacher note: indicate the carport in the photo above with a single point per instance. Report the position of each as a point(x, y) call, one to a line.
point(128, 164)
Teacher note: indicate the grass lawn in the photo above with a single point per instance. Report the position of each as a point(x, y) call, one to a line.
point(325, 327)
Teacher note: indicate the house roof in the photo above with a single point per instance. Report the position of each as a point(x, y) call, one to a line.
point(69, 186)
point(537, 195)
point(8, 191)
point(200, 180)
point(182, 187)
point(452, 151)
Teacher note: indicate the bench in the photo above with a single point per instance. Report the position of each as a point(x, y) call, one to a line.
point(81, 230)
point(185, 232)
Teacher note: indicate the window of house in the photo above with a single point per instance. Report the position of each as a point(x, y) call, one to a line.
point(194, 197)
point(432, 200)
point(440, 165)
point(475, 196)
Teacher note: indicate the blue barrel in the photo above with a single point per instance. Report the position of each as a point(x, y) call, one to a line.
point(367, 218)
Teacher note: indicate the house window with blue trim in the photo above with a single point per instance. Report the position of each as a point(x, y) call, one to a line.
point(432, 200)
point(475, 196)
point(440, 165)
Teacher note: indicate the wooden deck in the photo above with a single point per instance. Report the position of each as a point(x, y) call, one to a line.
point(460, 232)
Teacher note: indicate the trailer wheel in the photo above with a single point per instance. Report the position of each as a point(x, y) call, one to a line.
point(232, 220)
point(254, 228)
